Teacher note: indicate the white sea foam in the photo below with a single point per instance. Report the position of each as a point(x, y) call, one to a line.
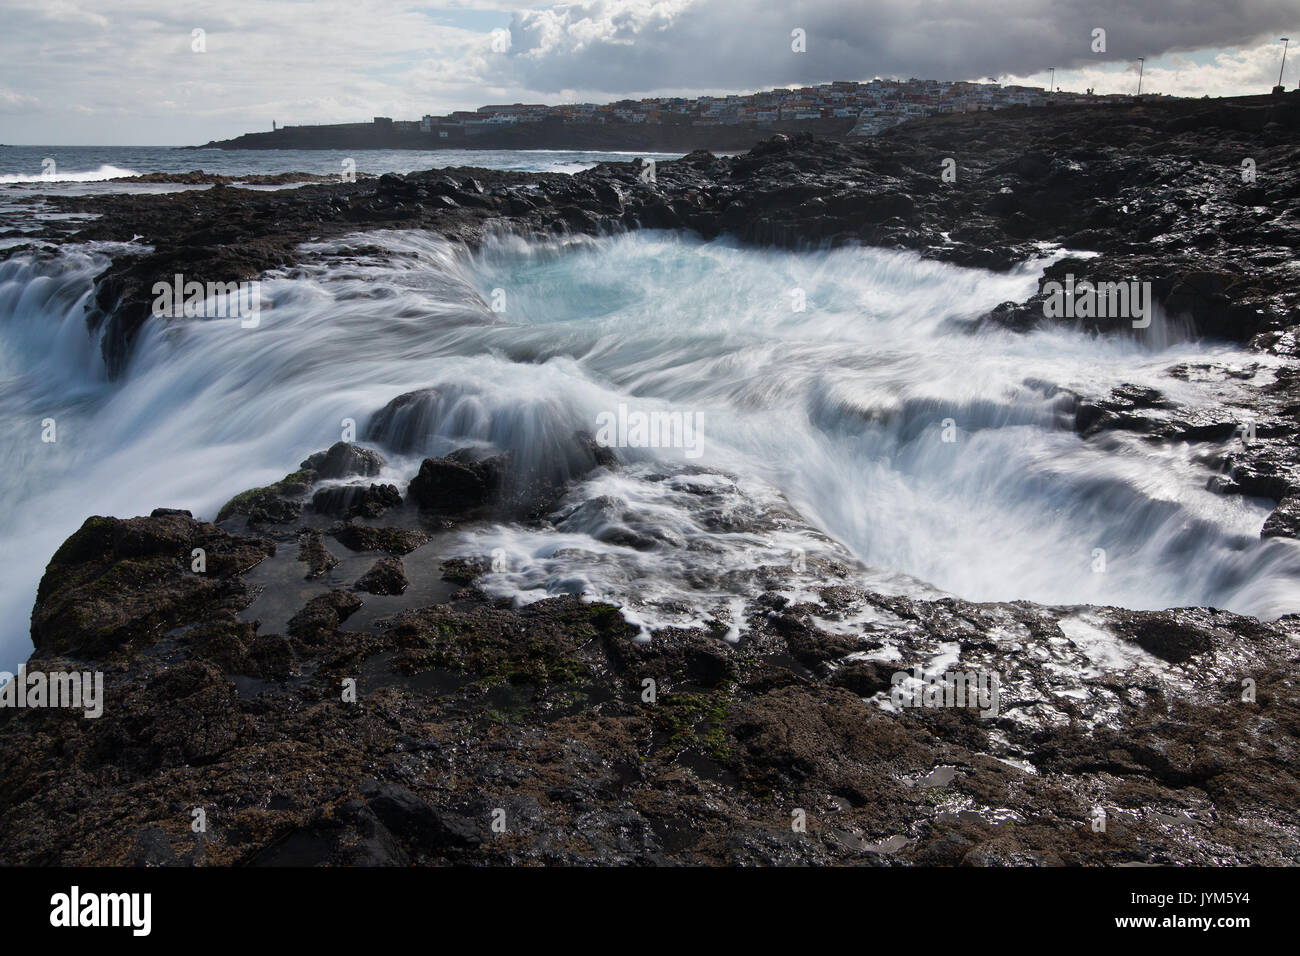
point(102, 174)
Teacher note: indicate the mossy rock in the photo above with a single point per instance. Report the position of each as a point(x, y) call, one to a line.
point(275, 504)
point(117, 582)
point(697, 720)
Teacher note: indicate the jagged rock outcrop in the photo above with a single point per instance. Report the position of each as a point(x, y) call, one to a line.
point(115, 583)
point(401, 741)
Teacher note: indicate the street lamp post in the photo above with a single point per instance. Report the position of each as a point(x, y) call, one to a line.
point(1052, 81)
point(1286, 41)
point(1141, 61)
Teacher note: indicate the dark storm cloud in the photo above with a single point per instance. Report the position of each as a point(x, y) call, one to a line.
point(631, 45)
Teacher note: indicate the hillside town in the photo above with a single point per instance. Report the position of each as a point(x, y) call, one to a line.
point(842, 109)
point(874, 105)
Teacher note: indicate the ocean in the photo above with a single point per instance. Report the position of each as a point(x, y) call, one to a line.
point(94, 168)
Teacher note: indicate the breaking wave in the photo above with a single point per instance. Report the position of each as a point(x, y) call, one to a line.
point(99, 175)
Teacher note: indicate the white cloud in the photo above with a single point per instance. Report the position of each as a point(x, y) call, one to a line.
point(12, 101)
point(1228, 73)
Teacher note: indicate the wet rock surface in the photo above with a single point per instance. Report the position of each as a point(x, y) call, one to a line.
point(386, 576)
point(114, 582)
point(313, 552)
point(343, 460)
point(353, 501)
point(469, 731)
point(456, 484)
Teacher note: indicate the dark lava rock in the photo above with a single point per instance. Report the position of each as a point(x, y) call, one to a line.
point(468, 483)
point(864, 678)
point(323, 615)
point(358, 537)
point(186, 715)
point(153, 848)
point(386, 576)
point(457, 483)
point(392, 186)
point(352, 835)
point(343, 460)
point(356, 501)
point(118, 582)
point(406, 422)
point(1171, 638)
point(697, 658)
point(312, 551)
point(1284, 522)
point(776, 144)
point(271, 656)
point(810, 645)
point(465, 570)
point(684, 750)
point(279, 503)
point(427, 827)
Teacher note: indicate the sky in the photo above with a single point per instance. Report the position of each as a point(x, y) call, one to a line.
point(135, 72)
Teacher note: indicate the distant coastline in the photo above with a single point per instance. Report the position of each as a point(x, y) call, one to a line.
point(546, 135)
point(837, 110)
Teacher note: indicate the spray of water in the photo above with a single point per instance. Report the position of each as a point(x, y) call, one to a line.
point(102, 174)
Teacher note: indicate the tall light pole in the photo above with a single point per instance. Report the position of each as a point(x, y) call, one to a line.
point(1141, 61)
point(1286, 41)
point(1051, 82)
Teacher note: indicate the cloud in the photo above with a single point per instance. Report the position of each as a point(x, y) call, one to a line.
point(327, 61)
point(114, 71)
point(1227, 73)
point(12, 101)
point(629, 46)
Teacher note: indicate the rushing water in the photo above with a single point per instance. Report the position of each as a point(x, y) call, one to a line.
point(820, 432)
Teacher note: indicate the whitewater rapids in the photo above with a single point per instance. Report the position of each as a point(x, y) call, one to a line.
point(822, 431)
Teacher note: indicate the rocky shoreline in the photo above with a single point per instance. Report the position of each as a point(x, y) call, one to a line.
point(330, 687)
point(546, 135)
